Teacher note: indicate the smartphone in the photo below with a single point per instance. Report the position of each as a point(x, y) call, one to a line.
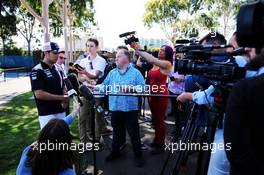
point(77, 66)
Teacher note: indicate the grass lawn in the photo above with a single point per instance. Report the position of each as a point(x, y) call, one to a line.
point(19, 127)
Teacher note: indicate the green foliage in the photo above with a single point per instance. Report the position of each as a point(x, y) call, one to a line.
point(82, 11)
point(220, 9)
point(26, 24)
point(163, 11)
point(207, 20)
point(37, 55)
point(186, 17)
point(7, 19)
point(166, 14)
point(153, 49)
point(11, 49)
point(186, 28)
point(18, 129)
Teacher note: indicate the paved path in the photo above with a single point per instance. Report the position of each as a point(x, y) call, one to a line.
point(13, 87)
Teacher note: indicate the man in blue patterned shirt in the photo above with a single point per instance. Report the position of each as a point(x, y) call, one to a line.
point(124, 78)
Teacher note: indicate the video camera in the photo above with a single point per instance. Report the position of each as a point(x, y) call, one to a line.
point(130, 37)
point(201, 60)
point(198, 59)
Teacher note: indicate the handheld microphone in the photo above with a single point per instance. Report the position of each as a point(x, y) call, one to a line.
point(72, 85)
point(74, 81)
point(71, 92)
point(88, 95)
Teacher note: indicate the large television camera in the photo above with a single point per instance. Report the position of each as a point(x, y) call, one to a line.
point(130, 37)
point(199, 59)
point(202, 60)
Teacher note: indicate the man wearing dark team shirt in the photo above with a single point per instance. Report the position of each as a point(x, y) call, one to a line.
point(48, 86)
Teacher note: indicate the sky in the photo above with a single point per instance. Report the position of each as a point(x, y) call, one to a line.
point(115, 17)
point(118, 16)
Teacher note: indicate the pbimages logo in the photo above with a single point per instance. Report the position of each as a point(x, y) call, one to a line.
point(180, 146)
point(50, 146)
point(147, 89)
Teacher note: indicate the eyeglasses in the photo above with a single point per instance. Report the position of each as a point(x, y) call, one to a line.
point(90, 46)
point(62, 58)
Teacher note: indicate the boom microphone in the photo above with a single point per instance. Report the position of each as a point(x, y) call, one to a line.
point(183, 41)
point(127, 34)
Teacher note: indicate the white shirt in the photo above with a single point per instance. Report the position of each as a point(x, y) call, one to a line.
point(61, 70)
point(61, 67)
point(98, 63)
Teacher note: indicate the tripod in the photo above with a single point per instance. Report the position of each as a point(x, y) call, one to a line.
point(215, 118)
point(216, 114)
point(187, 136)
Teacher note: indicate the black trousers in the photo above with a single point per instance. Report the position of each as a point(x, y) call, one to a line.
point(122, 121)
point(178, 114)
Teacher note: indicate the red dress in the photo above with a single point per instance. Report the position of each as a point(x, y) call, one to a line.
point(158, 105)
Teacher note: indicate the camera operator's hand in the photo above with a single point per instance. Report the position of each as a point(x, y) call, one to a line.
point(185, 97)
point(135, 45)
point(179, 79)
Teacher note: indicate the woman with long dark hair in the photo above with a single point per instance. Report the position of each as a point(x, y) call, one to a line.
point(50, 154)
point(157, 78)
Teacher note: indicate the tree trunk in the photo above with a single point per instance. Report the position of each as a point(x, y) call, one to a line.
point(29, 47)
point(66, 32)
point(45, 15)
point(3, 42)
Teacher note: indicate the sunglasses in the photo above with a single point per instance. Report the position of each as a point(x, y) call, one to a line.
point(62, 58)
point(90, 46)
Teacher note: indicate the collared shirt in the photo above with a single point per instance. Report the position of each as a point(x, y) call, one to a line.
point(47, 79)
point(113, 82)
point(91, 65)
point(61, 69)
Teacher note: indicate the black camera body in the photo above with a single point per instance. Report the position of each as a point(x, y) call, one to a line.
point(198, 58)
point(201, 60)
point(217, 71)
point(130, 37)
